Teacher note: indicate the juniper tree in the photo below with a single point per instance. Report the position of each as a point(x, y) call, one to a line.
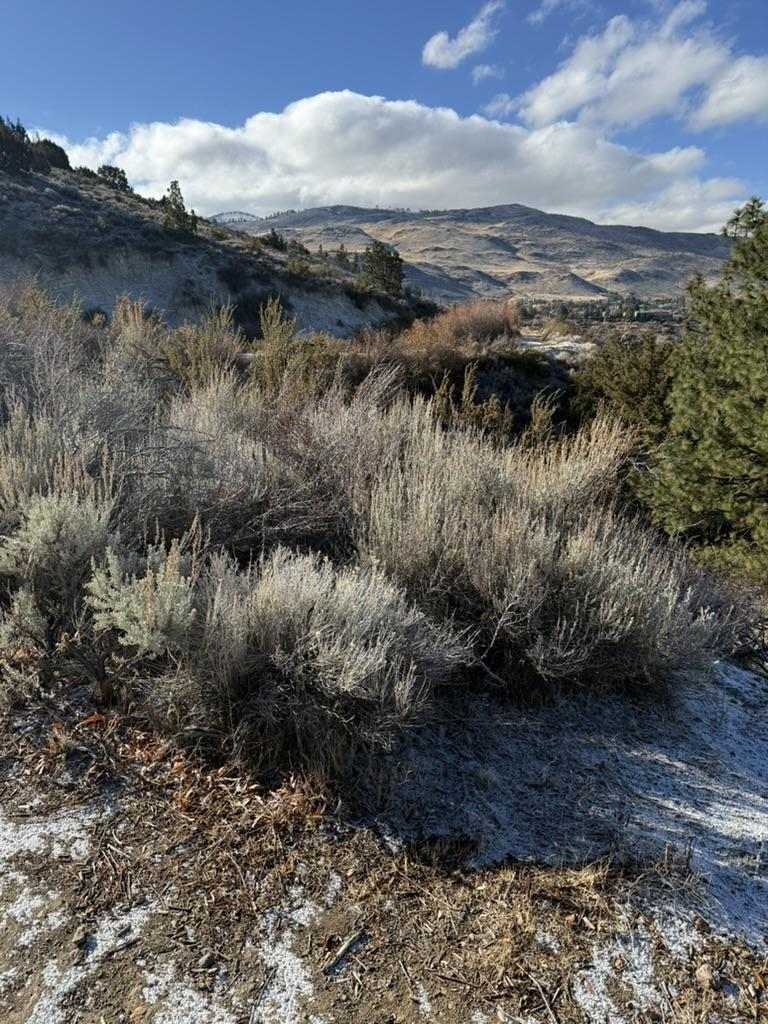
point(15, 153)
point(383, 268)
point(632, 377)
point(176, 219)
point(115, 177)
point(711, 477)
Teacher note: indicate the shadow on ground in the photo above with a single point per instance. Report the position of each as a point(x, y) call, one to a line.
point(582, 779)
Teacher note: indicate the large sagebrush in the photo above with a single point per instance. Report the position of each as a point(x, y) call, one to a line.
point(282, 558)
point(307, 663)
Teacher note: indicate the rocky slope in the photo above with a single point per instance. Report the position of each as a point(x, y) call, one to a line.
point(497, 251)
point(81, 239)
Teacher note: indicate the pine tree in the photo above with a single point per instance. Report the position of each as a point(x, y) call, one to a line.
point(176, 219)
point(383, 269)
point(632, 377)
point(711, 478)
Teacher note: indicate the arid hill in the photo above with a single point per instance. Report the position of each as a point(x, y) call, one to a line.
point(81, 238)
point(496, 251)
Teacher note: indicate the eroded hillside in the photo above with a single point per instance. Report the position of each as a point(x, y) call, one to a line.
point(81, 238)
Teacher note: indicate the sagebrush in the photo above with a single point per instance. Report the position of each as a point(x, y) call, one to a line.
point(283, 558)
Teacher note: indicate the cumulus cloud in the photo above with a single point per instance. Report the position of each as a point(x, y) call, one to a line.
point(483, 71)
point(443, 52)
point(402, 153)
point(634, 71)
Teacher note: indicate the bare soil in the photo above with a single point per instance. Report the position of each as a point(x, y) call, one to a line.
point(138, 884)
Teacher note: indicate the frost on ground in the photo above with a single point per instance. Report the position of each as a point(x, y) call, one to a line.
point(174, 1001)
point(562, 784)
point(583, 779)
point(36, 941)
point(289, 987)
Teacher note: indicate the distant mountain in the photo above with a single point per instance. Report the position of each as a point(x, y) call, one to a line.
point(233, 217)
point(498, 251)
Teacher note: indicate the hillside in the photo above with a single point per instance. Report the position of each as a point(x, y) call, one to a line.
point(82, 239)
point(492, 252)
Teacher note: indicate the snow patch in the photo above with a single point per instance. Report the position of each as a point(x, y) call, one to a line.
point(289, 987)
point(625, 961)
point(63, 834)
point(179, 1003)
point(58, 981)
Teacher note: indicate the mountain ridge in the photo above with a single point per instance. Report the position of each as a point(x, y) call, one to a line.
point(495, 251)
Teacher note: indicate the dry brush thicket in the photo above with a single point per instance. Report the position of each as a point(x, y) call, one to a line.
point(293, 564)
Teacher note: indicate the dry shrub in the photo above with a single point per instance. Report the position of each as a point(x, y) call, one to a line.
point(524, 544)
point(347, 661)
point(196, 353)
point(468, 326)
point(519, 544)
point(43, 345)
point(310, 665)
point(51, 550)
point(558, 326)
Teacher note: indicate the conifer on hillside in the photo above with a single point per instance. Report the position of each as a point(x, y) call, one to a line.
point(710, 481)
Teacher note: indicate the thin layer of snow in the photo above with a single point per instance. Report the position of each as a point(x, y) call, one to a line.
point(59, 981)
point(179, 1002)
point(588, 777)
point(625, 960)
point(333, 889)
point(289, 987)
point(63, 834)
point(8, 979)
point(425, 1005)
point(568, 348)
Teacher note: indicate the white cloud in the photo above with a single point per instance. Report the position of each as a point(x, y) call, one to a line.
point(740, 91)
point(443, 52)
point(402, 153)
point(483, 71)
point(547, 7)
point(706, 203)
point(637, 70)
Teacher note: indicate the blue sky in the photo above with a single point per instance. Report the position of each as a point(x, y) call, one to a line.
point(648, 111)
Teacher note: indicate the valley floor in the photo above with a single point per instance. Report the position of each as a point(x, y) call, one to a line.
point(585, 861)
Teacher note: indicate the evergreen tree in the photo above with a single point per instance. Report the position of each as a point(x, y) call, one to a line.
point(383, 269)
point(115, 177)
point(47, 154)
point(342, 256)
point(15, 153)
point(711, 478)
point(176, 219)
point(632, 377)
point(275, 240)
